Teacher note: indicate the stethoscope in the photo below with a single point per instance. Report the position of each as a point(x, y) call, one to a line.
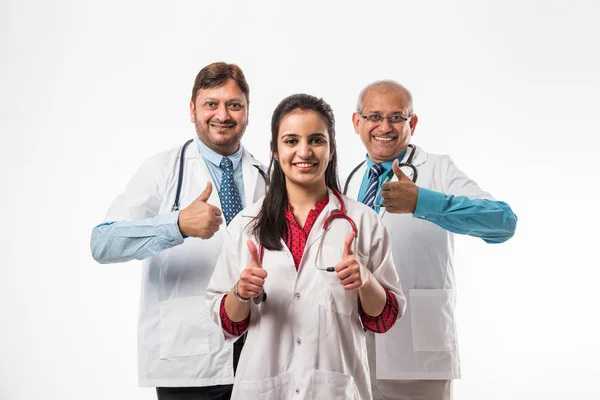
point(180, 178)
point(341, 213)
point(390, 174)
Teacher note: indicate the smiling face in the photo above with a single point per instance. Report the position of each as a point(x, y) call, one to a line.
point(220, 115)
point(303, 149)
point(383, 140)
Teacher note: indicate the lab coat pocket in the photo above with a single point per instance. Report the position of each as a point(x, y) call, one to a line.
point(332, 385)
point(184, 327)
point(432, 319)
point(276, 388)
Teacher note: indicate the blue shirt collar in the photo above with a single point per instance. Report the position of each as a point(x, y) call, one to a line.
point(215, 158)
point(387, 164)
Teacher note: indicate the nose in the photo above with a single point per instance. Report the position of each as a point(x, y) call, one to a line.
point(304, 150)
point(222, 113)
point(385, 126)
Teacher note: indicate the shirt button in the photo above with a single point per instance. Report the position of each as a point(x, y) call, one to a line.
point(287, 255)
point(422, 216)
point(297, 296)
point(298, 341)
point(297, 391)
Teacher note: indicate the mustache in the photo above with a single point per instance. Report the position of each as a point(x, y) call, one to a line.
point(218, 121)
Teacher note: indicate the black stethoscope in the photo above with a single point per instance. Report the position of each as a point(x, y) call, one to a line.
point(180, 178)
point(390, 174)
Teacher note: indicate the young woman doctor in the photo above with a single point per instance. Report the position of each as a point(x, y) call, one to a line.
point(325, 285)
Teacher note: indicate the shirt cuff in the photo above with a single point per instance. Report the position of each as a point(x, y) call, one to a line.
point(429, 203)
point(233, 328)
point(169, 228)
point(384, 321)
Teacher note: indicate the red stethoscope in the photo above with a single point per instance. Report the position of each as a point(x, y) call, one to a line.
point(341, 213)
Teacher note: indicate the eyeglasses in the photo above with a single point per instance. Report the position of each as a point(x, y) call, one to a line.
point(392, 118)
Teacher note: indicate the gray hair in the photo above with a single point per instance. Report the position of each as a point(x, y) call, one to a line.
point(386, 85)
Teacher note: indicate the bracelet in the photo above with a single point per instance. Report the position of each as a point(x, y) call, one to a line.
point(236, 294)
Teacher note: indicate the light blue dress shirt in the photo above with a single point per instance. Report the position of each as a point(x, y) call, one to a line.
point(493, 221)
point(120, 241)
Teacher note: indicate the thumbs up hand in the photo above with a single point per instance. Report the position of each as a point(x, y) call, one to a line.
point(351, 274)
point(399, 197)
point(253, 276)
point(200, 219)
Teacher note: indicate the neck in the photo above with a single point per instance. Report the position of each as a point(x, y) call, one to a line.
point(225, 150)
point(301, 197)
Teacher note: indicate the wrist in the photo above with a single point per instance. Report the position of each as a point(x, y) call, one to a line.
point(237, 295)
point(180, 225)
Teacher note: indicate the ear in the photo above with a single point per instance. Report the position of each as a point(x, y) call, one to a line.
point(355, 121)
point(192, 112)
point(413, 124)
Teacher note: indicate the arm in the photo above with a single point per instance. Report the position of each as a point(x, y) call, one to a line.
point(136, 231)
point(231, 327)
point(375, 277)
point(122, 241)
point(466, 209)
point(382, 322)
point(462, 207)
point(372, 296)
point(492, 221)
point(381, 263)
point(227, 311)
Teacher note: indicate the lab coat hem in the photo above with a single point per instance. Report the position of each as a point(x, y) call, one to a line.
point(185, 382)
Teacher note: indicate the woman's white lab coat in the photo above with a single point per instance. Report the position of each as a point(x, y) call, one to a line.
point(178, 344)
point(306, 340)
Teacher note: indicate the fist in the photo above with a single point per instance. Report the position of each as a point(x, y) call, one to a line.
point(399, 197)
point(252, 278)
point(349, 271)
point(200, 219)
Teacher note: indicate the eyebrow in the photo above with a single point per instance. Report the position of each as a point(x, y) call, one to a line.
point(379, 112)
point(234, 100)
point(310, 135)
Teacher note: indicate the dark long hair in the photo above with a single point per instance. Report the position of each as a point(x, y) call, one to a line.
point(269, 225)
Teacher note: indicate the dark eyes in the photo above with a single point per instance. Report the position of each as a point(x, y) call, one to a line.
point(311, 141)
point(232, 106)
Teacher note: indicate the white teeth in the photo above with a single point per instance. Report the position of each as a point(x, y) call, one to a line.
point(383, 139)
point(304, 165)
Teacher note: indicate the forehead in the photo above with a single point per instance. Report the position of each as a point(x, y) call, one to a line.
point(385, 100)
point(228, 91)
point(302, 122)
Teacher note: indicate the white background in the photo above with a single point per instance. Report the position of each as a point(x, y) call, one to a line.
point(509, 89)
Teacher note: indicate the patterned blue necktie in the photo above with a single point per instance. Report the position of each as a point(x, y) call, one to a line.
point(229, 195)
point(371, 192)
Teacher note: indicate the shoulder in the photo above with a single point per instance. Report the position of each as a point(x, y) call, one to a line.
point(360, 212)
point(252, 159)
point(253, 209)
point(431, 157)
point(242, 222)
point(164, 158)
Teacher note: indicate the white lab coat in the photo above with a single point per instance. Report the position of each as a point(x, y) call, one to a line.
point(423, 345)
point(178, 343)
point(306, 340)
